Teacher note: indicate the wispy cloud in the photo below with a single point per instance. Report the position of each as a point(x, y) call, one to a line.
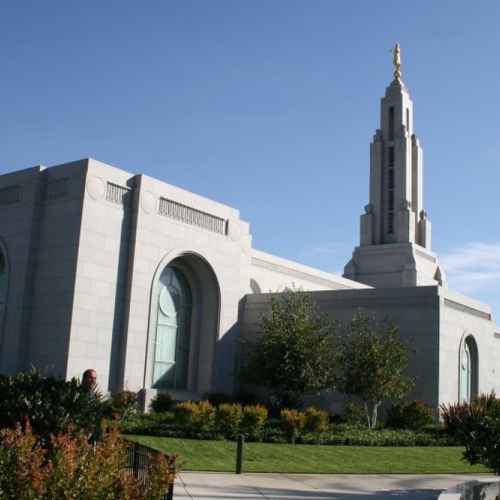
point(473, 267)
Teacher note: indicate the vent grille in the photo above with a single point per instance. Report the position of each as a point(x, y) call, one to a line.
point(117, 194)
point(189, 215)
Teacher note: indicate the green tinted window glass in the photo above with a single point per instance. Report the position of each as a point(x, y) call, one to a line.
point(172, 336)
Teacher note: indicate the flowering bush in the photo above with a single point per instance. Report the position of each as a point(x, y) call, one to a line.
point(228, 419)
point(196, 417)
point(316, 420)
point(72, 468)
point(293, 422)
point(253, 421)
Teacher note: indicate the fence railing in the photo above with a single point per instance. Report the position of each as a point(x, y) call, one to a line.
point(139, 458)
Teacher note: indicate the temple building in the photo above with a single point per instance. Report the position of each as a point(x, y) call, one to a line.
point(154, 286)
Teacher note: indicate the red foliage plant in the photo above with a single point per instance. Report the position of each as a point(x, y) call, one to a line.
point(72, 468)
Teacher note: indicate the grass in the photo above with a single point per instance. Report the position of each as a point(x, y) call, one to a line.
point(219, 456)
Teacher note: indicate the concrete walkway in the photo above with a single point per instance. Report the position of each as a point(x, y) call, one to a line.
point(211, 486)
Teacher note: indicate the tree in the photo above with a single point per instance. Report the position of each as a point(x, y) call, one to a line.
point(294, 355)
point(372, 362)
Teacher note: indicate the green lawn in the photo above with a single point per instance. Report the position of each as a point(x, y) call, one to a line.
point(263, 457)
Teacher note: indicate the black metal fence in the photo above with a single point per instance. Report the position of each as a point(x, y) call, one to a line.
point(138, 459)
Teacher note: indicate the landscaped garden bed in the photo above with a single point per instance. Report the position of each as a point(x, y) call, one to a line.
point(164, 425)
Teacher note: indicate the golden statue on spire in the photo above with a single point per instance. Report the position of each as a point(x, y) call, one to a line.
point(396, 60)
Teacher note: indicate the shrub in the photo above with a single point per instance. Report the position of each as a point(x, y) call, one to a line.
point(162, 403)
point(228, 419)
point(458, 416)
point(489, 402)
point(316, 420)
point(150, 424)
point(51, 405)
point(195, 416)
point(356, 436)
point(275, 434)
point(481, 438)
point(292, 422)
point(477, 426)
point(253, 421)
point(73, 468)
point(124, 404)
point(453, 416)
point(415, 415)
point(355, 414)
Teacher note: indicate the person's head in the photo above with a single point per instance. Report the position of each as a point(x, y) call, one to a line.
point(89, 379)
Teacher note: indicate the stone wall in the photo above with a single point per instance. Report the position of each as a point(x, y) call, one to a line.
point(414, 310)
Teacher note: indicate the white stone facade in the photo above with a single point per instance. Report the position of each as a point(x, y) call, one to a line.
point(87, 251)
point(84, 265)
point(432, 320)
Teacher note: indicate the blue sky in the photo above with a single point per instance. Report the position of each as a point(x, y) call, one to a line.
point(268, 107)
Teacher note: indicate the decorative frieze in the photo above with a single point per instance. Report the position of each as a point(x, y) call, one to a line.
point(188, 215)
point(117, 194)
point(10, 195)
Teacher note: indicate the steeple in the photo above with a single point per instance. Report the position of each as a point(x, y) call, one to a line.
point(395, 232)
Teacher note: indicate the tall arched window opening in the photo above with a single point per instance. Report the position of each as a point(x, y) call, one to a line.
point(173, 331)
point(468, 370)
point(391, 123)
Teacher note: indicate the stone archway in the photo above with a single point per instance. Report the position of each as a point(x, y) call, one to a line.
point(184, 325)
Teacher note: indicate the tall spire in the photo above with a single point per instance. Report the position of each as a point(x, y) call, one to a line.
point(395, 232)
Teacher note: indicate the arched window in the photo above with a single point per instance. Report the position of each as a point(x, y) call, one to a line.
point(184, 326)
point(173, 327)
point(3, 278)
point(468, 370)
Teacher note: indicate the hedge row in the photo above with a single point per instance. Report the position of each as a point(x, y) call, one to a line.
point(165, 425)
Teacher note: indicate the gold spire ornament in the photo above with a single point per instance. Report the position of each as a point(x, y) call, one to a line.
point(396, 60)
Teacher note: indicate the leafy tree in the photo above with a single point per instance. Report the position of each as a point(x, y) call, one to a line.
point(372, 362)
point(295, 353)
